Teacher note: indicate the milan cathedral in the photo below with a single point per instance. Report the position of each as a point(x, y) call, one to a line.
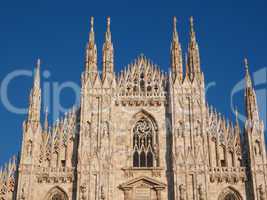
point(140, 134)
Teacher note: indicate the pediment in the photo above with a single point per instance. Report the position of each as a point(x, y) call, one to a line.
point(144, 182)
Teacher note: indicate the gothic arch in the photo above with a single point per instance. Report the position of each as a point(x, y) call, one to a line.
point(56, 193)
point(143, 113)
point(144, 140)
point(230, 193)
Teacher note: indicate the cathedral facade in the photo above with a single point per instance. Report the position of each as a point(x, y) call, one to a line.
point(141, 134)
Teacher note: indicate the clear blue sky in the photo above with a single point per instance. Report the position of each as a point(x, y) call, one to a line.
point(56, 31)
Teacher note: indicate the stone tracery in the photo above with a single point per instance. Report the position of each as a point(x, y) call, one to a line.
point(143, 143)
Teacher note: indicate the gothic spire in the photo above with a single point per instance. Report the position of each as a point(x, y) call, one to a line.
point(91, 51)
point(250, 96)
point(248, 78)
point(92, 33)
point(176, 54)
point(108, 52)
point(36, 83)
point(108, 33)
point(35, 97)
point(193, 53)
point(192, 31)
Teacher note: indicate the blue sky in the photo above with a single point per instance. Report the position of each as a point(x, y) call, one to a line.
point(57, 31)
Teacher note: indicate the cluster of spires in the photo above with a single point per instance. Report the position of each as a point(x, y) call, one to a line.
point(107, 54)
point(192, 68)
point(192, 58)
point(63, 131)
point(232, 130)
point(8, 176)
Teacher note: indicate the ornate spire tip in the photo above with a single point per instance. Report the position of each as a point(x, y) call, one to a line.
point(192, 23)
point(108, 22)
point(92, 22)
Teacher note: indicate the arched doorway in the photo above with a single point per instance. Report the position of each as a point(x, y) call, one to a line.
point(229, 194)
point(56, 193)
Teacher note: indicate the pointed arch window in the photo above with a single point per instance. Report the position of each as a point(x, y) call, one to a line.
point(143, 143)
point(56, 193)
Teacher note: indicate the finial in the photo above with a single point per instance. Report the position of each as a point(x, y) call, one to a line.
point(108, 24)
point(92, 22)
point(91, 34)
point(175, 34)
point(192, 24)
point(248, 79)
point(37, 73)
point(108, 33)
point(174, 23)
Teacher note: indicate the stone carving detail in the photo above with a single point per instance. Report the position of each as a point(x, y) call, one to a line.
point(144, 127)
point(182, 192)
point(83, 190)
point(201, 192)
point(261, 192)
point(143, 143)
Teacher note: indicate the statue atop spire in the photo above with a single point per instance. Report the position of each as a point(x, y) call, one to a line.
point(108, 53)
point(176, 54)
point(37, 74)
point(91, 52)
point(108, 33)
point(92, 33)
point(193, 53)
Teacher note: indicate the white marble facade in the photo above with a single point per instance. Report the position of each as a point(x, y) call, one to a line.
point(140, 134)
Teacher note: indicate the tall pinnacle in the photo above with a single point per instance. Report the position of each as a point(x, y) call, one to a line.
point(92, 33)
point(108, 53)
point(91, 51)
point(108, 33)
point(248, 78)
point(192, 31)
point(37, 74)
point(250, 96)
point(35, 98)
point(175, 34)
point(176, 54)
point(193, 53)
